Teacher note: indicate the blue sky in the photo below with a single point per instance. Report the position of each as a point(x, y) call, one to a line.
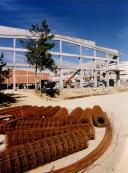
point(104, 21)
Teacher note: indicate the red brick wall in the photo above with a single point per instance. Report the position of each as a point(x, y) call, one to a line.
point(23, 76)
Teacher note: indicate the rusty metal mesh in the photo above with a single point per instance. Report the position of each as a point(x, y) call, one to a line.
point(28, 156)
point(38, 135)
point(53, 124)
point(62, 113)
point(21, 137)
point(100, 118)
point(87, 118)
point(76, 112)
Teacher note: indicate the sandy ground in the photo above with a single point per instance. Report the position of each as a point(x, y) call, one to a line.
point(116, 105)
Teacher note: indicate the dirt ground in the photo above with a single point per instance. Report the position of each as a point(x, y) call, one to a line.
point(116, 106)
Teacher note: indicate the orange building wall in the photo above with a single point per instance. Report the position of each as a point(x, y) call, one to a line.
point(24, 77)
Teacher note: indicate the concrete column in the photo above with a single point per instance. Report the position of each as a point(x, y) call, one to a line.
point(95, 78)
point(94, 69)
point(81, 68)
point(27, 80)
point(17, 79)
point(117, 65)
point(107, 70)
point(61, 71)
point(107, 79)
point(118, 73)
point(14, 63)
point(118, 78)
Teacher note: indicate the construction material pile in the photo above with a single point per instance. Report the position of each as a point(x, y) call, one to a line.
point(39, 135)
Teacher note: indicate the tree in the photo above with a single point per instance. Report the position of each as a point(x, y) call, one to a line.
point(38, 54)
point(4, 73)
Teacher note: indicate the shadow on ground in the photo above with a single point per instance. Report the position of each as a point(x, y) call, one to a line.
point(8, 99)
point(52, 92)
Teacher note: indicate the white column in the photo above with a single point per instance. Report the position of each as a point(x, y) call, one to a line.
point(118, 74)
point(27, 80)
point(81, 68)
point(117, 65)
point(17, 79)
point(107, 70)
point(61, 71)
point(118, 79)
point(14, 62)
point(94, 69)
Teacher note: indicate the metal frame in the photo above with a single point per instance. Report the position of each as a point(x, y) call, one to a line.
point(15, 33)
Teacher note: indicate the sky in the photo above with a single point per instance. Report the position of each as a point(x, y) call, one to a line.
point(102, 21)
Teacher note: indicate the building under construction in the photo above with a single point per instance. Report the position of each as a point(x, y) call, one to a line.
point(78, 60)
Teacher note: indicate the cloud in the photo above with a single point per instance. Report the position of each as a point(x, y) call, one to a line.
point(27, 18)
point(7, 5)
point(123, 33)
point(24, 14)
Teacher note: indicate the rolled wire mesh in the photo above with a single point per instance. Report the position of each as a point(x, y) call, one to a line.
point(31, 111)
point(34, 112)
point(47, 110)
point(27, 112)
point(28, 156)
point(39, 111)
point(42, 112)
point(87, 115)
point(62, 113)
point(9, 126)
point(76, 112)
point(37, 138)
point(6, 110)
point(8, 114)
point(14, 113)
point(100, 118)
point(21, 137)
point(87, 118)
point(56, 123)
point(52, 112)
point(14, 110)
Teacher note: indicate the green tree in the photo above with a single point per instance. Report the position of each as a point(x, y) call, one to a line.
point(4, 73)
point(38, 47)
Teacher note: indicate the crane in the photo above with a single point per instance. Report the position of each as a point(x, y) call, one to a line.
point(67, 81)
